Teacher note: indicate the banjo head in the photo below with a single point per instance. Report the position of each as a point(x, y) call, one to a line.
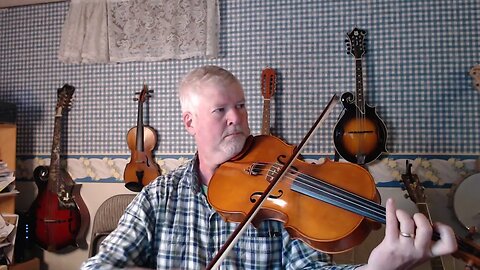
point(466, 202)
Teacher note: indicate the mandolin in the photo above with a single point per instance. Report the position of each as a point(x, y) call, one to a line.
point(269, 85)
point(61, 216)
point(142, 168)
point(468, 251)
point(360, 135)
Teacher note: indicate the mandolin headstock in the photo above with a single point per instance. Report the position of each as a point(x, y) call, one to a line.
point(269, 82)
point(356, 43)
point(412, 185)
point(65, 98)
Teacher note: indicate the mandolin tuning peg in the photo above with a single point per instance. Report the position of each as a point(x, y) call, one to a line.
point(150, 91)
point(135, 99)
point(406, 196)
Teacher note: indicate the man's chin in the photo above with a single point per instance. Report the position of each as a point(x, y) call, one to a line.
point(233, 145)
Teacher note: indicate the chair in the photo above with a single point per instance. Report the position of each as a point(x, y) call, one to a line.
point(106, 219)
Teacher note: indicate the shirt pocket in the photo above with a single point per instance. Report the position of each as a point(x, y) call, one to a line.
point(261, 250)
point(171, 248)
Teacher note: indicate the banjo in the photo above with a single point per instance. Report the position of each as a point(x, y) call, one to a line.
point(466, 202)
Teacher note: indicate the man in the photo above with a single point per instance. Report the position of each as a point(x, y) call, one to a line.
point(170, 224)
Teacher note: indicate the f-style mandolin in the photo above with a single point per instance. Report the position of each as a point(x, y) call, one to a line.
point(360, 135)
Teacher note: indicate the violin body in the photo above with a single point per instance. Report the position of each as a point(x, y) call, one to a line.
point(142, 165)
point(319, 224)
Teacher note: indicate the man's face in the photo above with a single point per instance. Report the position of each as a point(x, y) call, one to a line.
point(220, 122)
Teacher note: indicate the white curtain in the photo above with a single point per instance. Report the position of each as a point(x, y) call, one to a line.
point(101, 31)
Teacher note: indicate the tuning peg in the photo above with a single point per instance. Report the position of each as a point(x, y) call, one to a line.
point(135, 99)
point(406, 196)
point(150, 91)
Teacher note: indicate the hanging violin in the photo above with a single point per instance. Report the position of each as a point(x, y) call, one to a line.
point(142, 168)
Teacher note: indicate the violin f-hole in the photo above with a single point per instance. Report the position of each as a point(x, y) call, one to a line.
point(255, 195)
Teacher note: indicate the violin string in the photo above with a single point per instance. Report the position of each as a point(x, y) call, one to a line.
point(339, 197)
point(314, 183)
point(314, 187)
point(328, 193)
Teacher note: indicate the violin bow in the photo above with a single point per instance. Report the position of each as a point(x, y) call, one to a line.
point(233, 238)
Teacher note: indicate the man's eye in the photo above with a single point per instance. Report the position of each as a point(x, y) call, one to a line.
point(218, 110)
point(241, 106)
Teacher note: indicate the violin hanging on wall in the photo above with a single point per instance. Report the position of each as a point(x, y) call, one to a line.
point(142, 168)
point(269, 85)
point(360, 135)
point(61, 216)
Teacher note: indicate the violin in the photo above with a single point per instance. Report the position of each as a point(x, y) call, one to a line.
point(141, 140)
point(304, 200)
point(332, 206)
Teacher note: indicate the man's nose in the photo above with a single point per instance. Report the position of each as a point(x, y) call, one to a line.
point(234, 116)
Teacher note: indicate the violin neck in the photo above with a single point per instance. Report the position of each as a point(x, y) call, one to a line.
point(437, 262)
point(140, 141)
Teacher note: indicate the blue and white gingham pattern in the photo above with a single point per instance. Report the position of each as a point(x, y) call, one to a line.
point(416, 74)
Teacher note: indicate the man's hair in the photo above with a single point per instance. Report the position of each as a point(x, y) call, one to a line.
point(193, 81)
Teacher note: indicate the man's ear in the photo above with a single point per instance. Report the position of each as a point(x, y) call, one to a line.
point(188, 122)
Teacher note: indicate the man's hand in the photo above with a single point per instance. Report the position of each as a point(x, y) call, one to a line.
point(408, 241)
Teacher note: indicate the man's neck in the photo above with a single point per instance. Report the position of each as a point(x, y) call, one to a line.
point(206, 171)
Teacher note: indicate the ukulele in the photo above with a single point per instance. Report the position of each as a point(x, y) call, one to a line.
point(360, 135)
point(142, 168)
point(61, 216)
point(468, 251)
point(269, 84)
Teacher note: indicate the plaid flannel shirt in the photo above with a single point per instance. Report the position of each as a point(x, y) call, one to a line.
point(171, 225)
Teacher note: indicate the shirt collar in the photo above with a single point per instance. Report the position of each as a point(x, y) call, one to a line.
point(196, 185)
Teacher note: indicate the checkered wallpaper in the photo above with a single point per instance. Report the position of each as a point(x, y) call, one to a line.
point(416, 65)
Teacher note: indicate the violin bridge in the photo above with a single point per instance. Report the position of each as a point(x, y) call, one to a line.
point(255, 169)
